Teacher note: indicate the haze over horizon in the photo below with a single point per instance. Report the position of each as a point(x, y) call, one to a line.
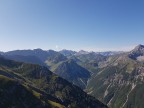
point(93, 25)
point(126, 49)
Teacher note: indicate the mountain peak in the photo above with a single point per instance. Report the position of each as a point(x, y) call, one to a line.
point(137, 52)
point(139, 47)
point(67, 52)
point(82, 52)
point(38, 49)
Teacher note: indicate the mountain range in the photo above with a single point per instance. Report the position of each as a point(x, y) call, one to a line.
point(55, 61)
point(114, 78)
point(33, 86)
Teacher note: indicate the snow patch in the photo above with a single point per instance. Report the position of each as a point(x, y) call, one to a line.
point(106, 92)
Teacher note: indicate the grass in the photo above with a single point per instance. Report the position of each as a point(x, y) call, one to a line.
point(56, 105)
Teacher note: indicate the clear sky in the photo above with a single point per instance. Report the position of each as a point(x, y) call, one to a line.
point(97, 25)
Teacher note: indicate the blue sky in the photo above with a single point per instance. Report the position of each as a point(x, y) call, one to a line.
point(98, 25)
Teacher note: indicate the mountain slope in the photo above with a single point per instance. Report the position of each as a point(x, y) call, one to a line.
point(26, 59)
point(120, 82)
point(91, 57)
point(36, 56)
point(55, 58)
point(67, 52)
point(41, 54)
point(73, 73)
point(51, 89)
point(14, 94)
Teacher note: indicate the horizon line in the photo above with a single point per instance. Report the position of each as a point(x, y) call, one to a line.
point(124, 49)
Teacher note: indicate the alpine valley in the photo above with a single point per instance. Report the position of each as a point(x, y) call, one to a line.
point(70, 79)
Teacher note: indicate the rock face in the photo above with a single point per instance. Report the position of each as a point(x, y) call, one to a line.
point(32, 86)
point(137, 52)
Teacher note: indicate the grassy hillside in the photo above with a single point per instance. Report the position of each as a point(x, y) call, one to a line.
point(45, 88)
point(14, 94)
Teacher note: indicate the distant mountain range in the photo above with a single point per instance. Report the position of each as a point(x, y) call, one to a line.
point(82, 52)
point(55, 62)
